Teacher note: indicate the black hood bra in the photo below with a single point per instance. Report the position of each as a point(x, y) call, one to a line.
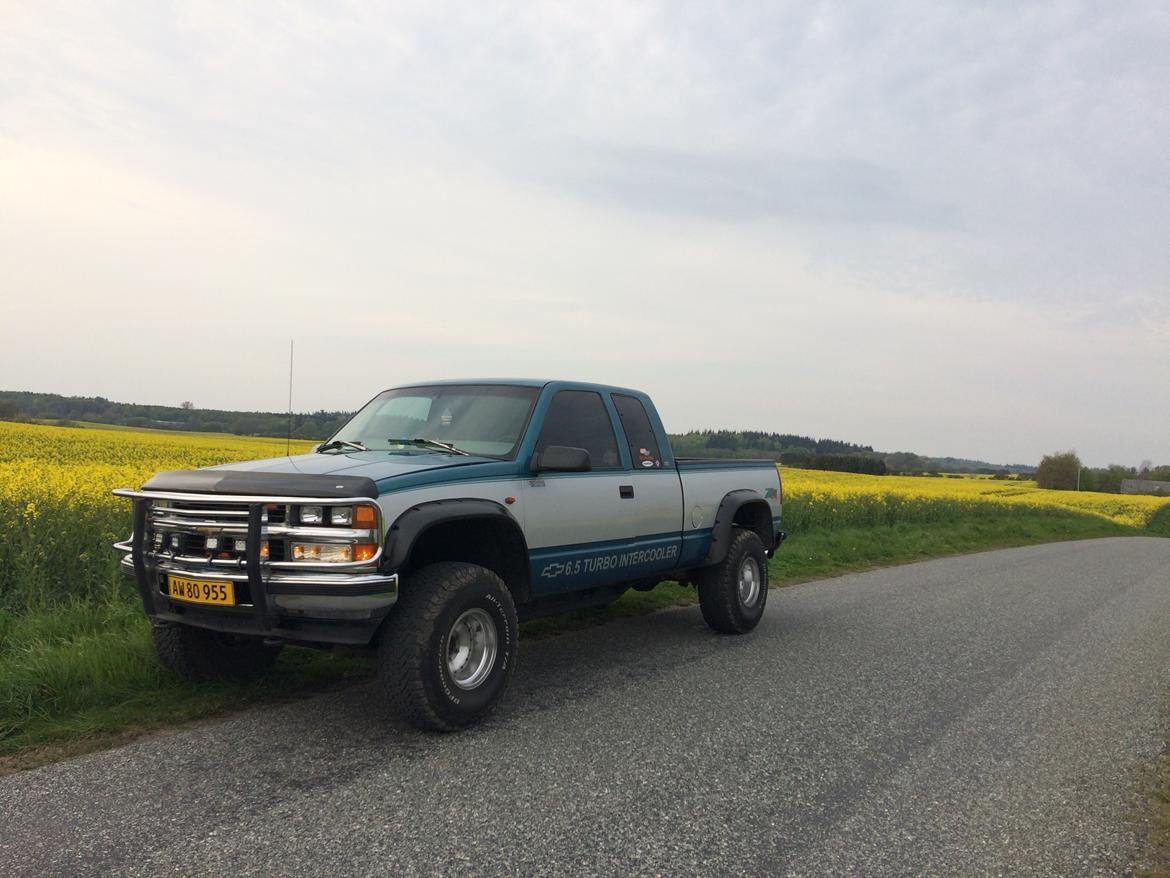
point(265, 484)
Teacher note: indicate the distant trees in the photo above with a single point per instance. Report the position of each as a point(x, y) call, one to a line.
point(847, 463)
point(1108, 479)
point(793, 450)
point(1059, 472)
point(788, 448)
point(185, 416)
point(906, 462)
point(756, 443)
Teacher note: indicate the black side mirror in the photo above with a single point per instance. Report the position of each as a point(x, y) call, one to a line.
point(562, 459)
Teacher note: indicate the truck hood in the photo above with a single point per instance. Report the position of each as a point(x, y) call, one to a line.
point(376, 465)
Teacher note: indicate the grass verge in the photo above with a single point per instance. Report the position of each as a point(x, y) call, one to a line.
point(81, 677)
point(1155, 818)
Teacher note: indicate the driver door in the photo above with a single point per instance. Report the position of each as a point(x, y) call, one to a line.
point(576, 523)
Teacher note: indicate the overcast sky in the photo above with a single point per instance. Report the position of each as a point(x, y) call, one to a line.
point(917, 225)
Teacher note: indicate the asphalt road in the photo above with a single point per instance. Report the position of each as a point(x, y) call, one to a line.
point(984, 715)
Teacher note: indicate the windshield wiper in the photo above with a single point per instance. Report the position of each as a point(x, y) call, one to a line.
point(430, 443)
point(340, 443)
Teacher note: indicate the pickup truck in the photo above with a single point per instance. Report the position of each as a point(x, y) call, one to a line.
point(435, 520)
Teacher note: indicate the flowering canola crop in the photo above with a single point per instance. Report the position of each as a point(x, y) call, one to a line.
point(821, 499)
point(58, 518)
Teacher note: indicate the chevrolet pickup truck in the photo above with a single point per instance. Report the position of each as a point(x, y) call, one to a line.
point(434, 521)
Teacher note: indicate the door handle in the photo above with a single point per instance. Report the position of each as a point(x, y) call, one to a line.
point(626, 492)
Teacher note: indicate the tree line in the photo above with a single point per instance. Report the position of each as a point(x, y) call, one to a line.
point(806, 452)
point(788, 448)
point(53, 408)
point(1063, 471)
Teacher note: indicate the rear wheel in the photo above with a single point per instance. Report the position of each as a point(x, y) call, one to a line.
point(449, 647)
point(732, 594)
point(201, 654)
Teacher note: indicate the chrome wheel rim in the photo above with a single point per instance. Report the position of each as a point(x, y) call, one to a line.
point(472, 645)
point(749, 581)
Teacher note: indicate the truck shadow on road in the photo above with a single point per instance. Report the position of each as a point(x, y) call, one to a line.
point(573, 687)
point(345, 733)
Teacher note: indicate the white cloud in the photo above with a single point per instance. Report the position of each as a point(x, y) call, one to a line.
point(921, 226)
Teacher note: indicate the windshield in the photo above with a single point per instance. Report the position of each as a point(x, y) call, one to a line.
point(481, 419)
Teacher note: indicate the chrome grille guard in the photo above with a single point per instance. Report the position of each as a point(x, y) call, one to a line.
point(246, 516)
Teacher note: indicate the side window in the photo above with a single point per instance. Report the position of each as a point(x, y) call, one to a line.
point(578, 418)
point(639, 433)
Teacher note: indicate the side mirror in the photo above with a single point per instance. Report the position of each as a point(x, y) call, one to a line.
point(562, 459)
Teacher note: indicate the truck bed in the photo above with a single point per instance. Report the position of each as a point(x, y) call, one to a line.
point(707, 462)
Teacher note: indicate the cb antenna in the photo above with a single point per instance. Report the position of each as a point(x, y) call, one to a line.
point(288, 437)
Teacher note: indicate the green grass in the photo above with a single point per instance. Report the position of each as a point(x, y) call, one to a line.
point(1159, 525)
point(77, 677)
point(1153, 814)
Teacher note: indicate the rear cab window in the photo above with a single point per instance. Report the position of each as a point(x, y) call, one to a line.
point(644, 452)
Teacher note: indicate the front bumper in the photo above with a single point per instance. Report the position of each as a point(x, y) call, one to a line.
point(300, 601)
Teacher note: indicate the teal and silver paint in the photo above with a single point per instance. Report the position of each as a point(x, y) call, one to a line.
point(582, 529)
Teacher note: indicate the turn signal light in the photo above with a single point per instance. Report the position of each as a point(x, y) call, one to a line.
point(365, 516)
point(364, 551)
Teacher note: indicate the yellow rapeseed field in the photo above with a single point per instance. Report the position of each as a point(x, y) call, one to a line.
point(58, 518)
point(815, 498)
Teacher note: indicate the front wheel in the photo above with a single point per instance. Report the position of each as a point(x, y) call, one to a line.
point(732, 594)
point(449, 646)
point(201, 654)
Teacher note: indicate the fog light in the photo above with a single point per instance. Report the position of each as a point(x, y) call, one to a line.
point(212, 543)
point(311, 515)
point(342, 515)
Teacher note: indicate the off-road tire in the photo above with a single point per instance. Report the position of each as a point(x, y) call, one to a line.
point(720, 596)
point(413, 649)
point(201, 654)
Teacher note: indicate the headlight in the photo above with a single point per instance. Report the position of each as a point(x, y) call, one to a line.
point(339, 516)
point(333, 553)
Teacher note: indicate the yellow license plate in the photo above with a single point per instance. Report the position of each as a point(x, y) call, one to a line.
point(201, 591)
